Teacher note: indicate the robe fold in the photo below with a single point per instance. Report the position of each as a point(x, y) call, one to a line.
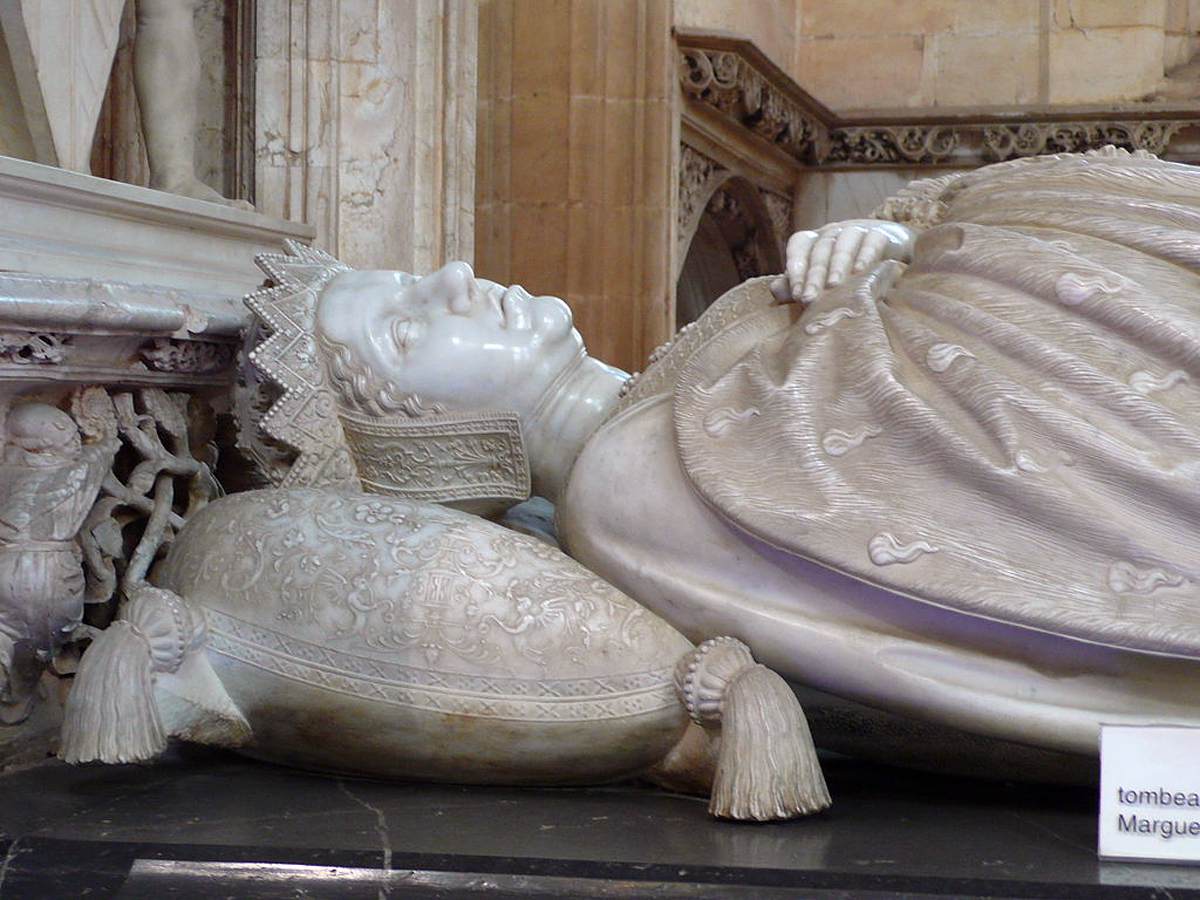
point(1008, 427)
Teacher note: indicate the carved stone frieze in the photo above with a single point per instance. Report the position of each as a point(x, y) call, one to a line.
point(75, 332)
point(735, 86)
point(1033, 138)
point(900, 144)
point(32, 348)
point(187, 357)
point(698, 176)
point(975, 143)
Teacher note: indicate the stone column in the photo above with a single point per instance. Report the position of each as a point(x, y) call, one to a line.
point(576, 162)
point(366, 126)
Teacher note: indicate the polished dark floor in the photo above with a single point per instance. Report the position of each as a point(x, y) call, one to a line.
point(208, 824)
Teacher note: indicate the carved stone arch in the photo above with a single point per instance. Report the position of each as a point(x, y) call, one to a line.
point(699, 178)
point(730, 236)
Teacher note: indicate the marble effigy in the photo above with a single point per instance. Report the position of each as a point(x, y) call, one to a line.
point(381, 634)
point(934, 449)
point(996, 546)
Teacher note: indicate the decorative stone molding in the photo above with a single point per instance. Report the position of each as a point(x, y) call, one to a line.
point(187, 357)
point(699, 177)
point(735, 79)
point(59, 223)
point(728, 79)
point(80, 331)
point(976, 143)
point(1033, 138)
point(901, 144)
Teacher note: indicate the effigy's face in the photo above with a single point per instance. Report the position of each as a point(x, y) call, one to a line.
point(450, 337)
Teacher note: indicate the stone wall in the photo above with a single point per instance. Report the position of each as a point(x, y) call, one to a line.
point(574, 162)
point(366, 126)
point(876, 54)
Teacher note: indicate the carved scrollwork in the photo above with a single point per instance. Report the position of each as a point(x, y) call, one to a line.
point(34, 348)
point(729, 83)
point(982, 142)
point(187, 357)
point(1033, 138)
point(900, 144)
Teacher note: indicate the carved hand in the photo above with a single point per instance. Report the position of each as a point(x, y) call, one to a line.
point(823, 258)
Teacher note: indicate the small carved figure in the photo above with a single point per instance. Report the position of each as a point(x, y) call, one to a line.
point(49, 479)
point(167, 77)
point(63, 85)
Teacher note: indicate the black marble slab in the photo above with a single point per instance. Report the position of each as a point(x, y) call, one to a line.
point(210, 824)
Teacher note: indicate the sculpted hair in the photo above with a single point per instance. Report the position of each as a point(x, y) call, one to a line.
point(358, 386)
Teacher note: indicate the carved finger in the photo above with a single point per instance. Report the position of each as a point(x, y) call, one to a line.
point(780, 289)
point(845, 250)
point(871, 251)
point(798, 247)
point(818, 265)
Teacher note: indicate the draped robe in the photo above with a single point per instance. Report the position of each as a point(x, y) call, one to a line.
point(1007, 427)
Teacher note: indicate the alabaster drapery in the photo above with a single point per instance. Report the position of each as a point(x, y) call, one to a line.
point(1009, 427)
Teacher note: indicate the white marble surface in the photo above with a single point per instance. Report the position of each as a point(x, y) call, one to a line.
point(65, 224)
point(366, 126)
point(61, 52)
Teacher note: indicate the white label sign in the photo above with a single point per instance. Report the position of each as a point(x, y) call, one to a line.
point(1150, 792)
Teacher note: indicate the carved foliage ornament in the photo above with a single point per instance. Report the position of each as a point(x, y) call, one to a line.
point(698, 176)
point(908, 143)
point(162, 478)
point(33, 348)
point(994, 142)
point(730, 84)
point(1031, 139)
point(189, 357)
